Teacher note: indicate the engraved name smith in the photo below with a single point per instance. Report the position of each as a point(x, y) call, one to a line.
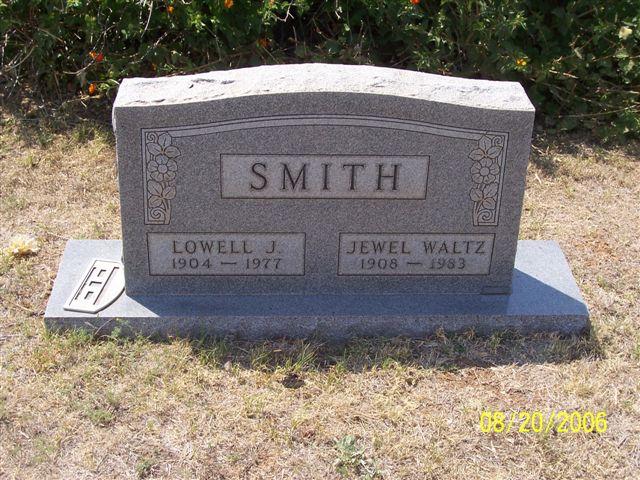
point(324, 176)
point(288, 182)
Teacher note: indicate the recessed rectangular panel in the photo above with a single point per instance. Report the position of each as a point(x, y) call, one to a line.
point(415, 254)
point(324, 176)
point(226, 253)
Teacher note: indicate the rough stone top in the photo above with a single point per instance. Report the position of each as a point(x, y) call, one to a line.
point(319, 77)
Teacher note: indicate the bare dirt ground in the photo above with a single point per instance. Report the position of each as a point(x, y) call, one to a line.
point(72, 406)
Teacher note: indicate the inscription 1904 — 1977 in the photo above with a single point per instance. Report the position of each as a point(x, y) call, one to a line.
point(226, 253)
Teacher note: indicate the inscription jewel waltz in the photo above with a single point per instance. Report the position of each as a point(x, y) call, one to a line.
point(161, 169)
point(486, 175)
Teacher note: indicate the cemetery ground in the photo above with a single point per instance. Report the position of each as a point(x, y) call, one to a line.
point(74, 406)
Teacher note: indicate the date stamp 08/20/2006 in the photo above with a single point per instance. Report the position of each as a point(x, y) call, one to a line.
point(537, 422)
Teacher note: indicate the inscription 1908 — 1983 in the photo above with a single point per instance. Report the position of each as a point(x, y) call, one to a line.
point(415, 254)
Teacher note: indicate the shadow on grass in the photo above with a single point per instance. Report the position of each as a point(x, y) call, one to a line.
point(545, 148)
point(447, 352)
point(444, 352)
point(37, 120)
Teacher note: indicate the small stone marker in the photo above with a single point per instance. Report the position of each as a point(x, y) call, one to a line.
point(323, 200)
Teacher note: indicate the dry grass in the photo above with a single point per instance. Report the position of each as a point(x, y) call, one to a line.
point(75, 407)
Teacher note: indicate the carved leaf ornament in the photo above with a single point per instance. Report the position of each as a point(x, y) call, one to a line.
point(161, 171)
point(485, 175)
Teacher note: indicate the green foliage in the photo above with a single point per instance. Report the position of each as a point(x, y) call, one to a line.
point(351, 461)
point(578, 60)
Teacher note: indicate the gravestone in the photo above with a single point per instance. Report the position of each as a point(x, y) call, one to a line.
point(324, 200)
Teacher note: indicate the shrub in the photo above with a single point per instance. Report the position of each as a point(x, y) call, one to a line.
point(578, 59)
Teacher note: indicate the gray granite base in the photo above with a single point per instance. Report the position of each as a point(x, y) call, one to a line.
point(545, 298)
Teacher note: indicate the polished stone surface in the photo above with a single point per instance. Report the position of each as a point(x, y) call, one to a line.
point(425, 173)
point(545, 297)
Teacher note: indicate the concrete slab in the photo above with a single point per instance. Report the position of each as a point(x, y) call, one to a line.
point(544, 297)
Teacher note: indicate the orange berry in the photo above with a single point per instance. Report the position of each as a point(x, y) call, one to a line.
point(93, 54)
point(170, 9)
point(263, 42)
point(415, 2)
point(228, 3)
point(92, 89)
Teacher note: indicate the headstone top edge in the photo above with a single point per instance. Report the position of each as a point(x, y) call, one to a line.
point(321, 78)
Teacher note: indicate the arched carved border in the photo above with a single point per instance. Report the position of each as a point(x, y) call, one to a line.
point(161, 157)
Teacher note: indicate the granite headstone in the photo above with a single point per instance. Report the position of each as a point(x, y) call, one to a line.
point(317, 199)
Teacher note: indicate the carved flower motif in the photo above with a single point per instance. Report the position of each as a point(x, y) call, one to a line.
point(159, 193)
point(163, 147)
point(484, 171)
point(162, 168)
point(485, 196)
point(486, 149)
